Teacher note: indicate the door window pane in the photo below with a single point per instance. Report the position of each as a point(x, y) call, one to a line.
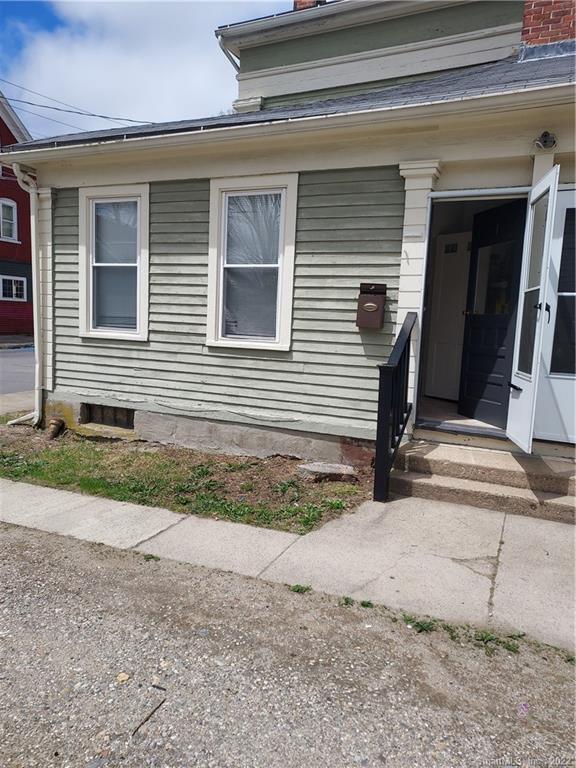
point(567, 277)
point(528, 331)
point(531, 297)
point(250, 298)
point(116, 234)
point(564, 348)
point(253, 228)
point(537, 245)
point(114, 297)
point(494, 279)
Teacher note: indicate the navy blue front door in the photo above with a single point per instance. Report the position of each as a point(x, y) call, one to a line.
point(495, 264)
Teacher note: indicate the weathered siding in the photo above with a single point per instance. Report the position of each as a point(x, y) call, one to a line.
point(382, 34)
point(349, 229)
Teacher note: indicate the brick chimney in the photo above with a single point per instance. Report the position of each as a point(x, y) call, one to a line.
point(548, 21)
point(301, 5)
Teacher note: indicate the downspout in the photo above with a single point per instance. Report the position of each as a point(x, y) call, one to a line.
point(227, 53)
point(28, 184)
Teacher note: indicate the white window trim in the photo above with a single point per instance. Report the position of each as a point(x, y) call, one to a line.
point(14, 277)
point(88, 196)
point(14, 205)
point(287, 183)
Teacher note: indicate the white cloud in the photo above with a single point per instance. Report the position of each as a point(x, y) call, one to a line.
point(150, 61)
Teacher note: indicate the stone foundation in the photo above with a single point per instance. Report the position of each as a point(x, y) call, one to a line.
point(221, 436)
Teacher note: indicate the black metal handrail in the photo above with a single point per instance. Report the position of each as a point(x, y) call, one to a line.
point(393, 407)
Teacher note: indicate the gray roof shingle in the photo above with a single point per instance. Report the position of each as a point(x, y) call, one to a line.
point(503, 76)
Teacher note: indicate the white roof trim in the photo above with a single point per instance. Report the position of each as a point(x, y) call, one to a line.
point(15, 125)
point(557, 94)
point(322, 18)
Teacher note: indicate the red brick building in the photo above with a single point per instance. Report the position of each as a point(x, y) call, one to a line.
point(15, 250)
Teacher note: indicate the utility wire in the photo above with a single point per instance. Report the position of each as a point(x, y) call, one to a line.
point(50, 98)
point(73, 111)
point(52, 119)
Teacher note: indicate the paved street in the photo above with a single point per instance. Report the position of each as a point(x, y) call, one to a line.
point(16, 380)
point(232, 672)
point(16, 370)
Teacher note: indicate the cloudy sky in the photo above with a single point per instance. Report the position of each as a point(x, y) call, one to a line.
point(145, 60)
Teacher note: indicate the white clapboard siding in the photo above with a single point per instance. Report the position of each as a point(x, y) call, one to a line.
point(349, 230)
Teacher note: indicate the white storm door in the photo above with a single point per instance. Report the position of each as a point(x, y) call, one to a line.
point(532, 311)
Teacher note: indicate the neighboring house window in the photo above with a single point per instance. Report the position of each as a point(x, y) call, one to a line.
point(8, 220)
point(251, 266)
point(114, 262)
point(13, 288)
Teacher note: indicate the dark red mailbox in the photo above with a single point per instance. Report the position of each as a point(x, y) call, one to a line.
point(371, 302)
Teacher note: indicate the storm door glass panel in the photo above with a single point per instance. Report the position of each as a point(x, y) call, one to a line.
point(7, 221)
point(115, 265)
point(564, 346)
point(251, 265)
point(531, 293)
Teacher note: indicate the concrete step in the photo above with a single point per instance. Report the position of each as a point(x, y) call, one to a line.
point(475, 493)
point(552, 475)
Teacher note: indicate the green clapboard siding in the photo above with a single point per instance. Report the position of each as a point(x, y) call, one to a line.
point(383, 34)
point(349, 230)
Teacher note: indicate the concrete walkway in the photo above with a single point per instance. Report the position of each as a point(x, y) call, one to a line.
point(450, 561)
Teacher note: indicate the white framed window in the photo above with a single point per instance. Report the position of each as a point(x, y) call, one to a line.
point(13, 288)
point(251, 261)
point(8, 220)
point(113, 253)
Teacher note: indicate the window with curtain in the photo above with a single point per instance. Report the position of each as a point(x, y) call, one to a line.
point(251, 248)
point(8, 220)
point(250, 265)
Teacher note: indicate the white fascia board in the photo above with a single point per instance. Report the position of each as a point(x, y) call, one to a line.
point(323, 18)
point(15, 125)
point(525, 98)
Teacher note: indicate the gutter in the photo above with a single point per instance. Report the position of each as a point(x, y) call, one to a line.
point(28, 184)
point(547, 95)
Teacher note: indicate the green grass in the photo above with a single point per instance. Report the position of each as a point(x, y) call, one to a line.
point(419, 624)
point(366, 604)
point(300, 589)
point(174, 481)
point(347, 601)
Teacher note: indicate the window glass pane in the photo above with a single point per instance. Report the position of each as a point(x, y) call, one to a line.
point(253, 228)
point(564, 348)
point(116, 232)
point(528, 331)
point(537, 245)
point(7, 220)
point(7, 289)
point(494, 278)
point(114, 297)
point(18, 289)
point(250, 297)
point(567, 278)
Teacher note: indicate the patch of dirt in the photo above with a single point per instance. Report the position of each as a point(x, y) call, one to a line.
point(266, 492)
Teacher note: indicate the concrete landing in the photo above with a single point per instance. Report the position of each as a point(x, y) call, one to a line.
point(451, 561)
